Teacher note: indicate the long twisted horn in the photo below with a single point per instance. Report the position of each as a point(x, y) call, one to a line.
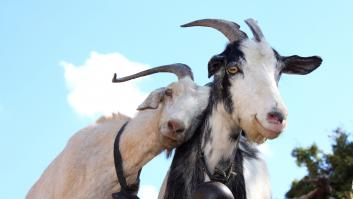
point(180, 70)
point(230, 29)
point(255, 29)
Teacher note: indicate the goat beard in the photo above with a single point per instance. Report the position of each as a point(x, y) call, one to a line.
point(260, 134)
point(260, 139)
point(256, 136)
point(168, 153)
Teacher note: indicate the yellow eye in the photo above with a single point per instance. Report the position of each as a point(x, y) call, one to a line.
point(232, 70)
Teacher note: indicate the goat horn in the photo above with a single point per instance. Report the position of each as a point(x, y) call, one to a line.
point(255, 29)
point(230, 29)
point(180, 70)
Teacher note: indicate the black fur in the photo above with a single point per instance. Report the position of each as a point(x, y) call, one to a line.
point(237, 183)
point(233, 53)
point(221, 83)
point(185, 172)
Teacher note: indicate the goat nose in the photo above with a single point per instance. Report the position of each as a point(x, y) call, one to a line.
point(176, 126)
point(275, 117)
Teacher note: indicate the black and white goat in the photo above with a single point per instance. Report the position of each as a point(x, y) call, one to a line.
point(244, 97)
point(85, 168)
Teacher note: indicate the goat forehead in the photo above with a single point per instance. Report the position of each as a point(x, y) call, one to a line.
point(183, 87)
point(187, 83)
point(259, 55)
point(174, 86)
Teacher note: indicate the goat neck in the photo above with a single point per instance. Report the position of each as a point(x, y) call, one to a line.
point(219, 137)
point(141, 142)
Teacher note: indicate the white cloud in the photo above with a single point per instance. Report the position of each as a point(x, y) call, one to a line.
point(91, 91)
point(148, 192)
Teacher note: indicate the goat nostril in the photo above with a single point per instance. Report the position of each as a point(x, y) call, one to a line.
point(170, 125)
point(180, 130)
point(175, 126)
point(275, 116)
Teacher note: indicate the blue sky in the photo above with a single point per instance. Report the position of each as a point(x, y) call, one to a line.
point(37, 38)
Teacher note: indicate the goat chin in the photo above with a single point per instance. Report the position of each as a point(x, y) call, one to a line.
point(254, 134)
point(169, 143)
point(259, 134)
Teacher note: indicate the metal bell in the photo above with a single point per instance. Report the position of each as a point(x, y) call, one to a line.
point(212, 190)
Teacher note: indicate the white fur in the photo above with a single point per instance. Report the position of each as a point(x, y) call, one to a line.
point(221, 146)
point(85, 168)
point(255, 93)
point(189, 98)
point(257, 180)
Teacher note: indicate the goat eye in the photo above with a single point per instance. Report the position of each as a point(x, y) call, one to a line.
point(233, 70)
point(169, 92)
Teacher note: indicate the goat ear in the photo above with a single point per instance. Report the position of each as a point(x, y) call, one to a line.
point(153, 99)
point(300, 65)
point(215, 64)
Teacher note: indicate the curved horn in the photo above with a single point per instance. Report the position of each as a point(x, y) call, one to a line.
point(255, 29)
point(180, 70)
point(230, 29)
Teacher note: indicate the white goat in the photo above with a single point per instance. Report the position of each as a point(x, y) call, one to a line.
point(85, 168)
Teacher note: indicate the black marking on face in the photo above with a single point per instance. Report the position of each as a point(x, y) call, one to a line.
point(233, 53)
point(222, 85)
point(279, 66)
point(226, 94)
point(277, 55)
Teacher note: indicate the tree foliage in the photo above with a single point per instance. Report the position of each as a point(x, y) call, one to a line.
point(337, 167)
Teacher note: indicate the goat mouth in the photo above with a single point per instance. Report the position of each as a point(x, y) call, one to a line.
point(265, 132)
point(170, 142)
point(170, 138)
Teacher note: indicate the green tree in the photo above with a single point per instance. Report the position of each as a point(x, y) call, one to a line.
point(337, 167)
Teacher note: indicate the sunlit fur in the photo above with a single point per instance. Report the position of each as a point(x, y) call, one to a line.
point(85, 168)
point(256, 176)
